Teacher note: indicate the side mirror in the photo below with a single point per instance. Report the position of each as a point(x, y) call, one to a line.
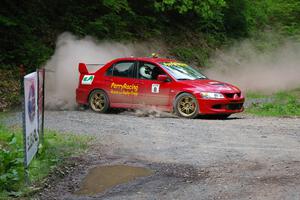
point(162, 77)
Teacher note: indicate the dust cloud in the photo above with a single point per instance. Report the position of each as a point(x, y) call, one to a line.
point(150, 111)
point(244, 65)
point(62, 68)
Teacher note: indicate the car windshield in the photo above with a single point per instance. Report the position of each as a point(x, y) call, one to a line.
point(182, 71)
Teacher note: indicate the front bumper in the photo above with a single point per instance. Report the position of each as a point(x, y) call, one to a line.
point(220, 106)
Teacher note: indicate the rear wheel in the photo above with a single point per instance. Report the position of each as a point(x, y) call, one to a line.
point(186, 105)
point(98, 101)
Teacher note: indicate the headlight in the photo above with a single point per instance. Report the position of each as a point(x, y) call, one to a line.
point(212, 95)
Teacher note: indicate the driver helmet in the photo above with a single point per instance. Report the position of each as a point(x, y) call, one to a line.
point(146, 72)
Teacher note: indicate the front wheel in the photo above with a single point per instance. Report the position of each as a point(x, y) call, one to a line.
point(98, 101)
point(186, 105)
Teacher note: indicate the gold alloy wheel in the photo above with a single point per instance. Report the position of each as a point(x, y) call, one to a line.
point(98, 101)
point(186, 106)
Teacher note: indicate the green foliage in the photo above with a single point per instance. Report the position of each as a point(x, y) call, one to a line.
point(4, 21)
point(56, 149)
point(282, 15)
point(208, 14)
point(110, 26)
point(9, 89)
point(286, 15)
point(10, 164)
point(34, 53)
point(284, 104)
point(255, 95)
point(235, 21)
point(257, 14)
point(28, 29)
point(195, 56)
point(116, 5)
point(206, 9)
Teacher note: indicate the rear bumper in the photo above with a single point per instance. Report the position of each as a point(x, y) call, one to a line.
point(220, 106)
point(82, 96)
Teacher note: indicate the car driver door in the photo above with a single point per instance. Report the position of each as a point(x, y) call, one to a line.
point(151, 91)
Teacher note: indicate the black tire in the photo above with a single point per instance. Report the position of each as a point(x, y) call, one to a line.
point(186, 105)
point(98, 101)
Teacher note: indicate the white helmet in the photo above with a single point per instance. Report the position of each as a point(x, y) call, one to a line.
point(146, 72)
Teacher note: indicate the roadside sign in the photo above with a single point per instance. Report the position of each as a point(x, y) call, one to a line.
point(33, 115)
point(31, 134)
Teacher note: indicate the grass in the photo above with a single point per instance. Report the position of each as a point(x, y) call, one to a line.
point(54, 152)
point(283, 104)
point(256, 95)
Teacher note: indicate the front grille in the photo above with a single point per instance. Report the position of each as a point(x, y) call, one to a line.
point(231, 95)
point(234, 106)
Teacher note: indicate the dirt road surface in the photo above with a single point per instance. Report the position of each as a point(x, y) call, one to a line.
point(243, 157)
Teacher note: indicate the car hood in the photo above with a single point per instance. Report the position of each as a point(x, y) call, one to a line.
point(207, 85)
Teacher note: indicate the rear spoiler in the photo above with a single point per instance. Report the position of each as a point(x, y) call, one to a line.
point(83, 68)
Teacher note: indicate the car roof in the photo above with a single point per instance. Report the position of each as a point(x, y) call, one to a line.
point(149, 59)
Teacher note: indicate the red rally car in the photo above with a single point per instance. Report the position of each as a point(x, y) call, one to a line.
point(166, 84)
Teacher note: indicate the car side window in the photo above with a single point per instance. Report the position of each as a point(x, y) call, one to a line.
point(149, 71)
point(121, 69)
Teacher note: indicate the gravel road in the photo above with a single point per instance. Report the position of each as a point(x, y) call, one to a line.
point(243, 157)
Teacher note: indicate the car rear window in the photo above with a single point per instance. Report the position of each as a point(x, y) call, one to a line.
point(121, 69)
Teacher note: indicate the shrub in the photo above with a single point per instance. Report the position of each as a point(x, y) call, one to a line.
point(11, 159)
point(9, 89)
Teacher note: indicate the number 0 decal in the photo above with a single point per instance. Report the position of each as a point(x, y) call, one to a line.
point(155, 88)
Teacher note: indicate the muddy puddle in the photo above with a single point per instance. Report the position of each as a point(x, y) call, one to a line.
point(104, 177)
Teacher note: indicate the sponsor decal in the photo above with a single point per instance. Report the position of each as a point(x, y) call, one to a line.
point(155, 88)
point(87, 79)
point(175, 64)
point(31, 103)
point(124, 89)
